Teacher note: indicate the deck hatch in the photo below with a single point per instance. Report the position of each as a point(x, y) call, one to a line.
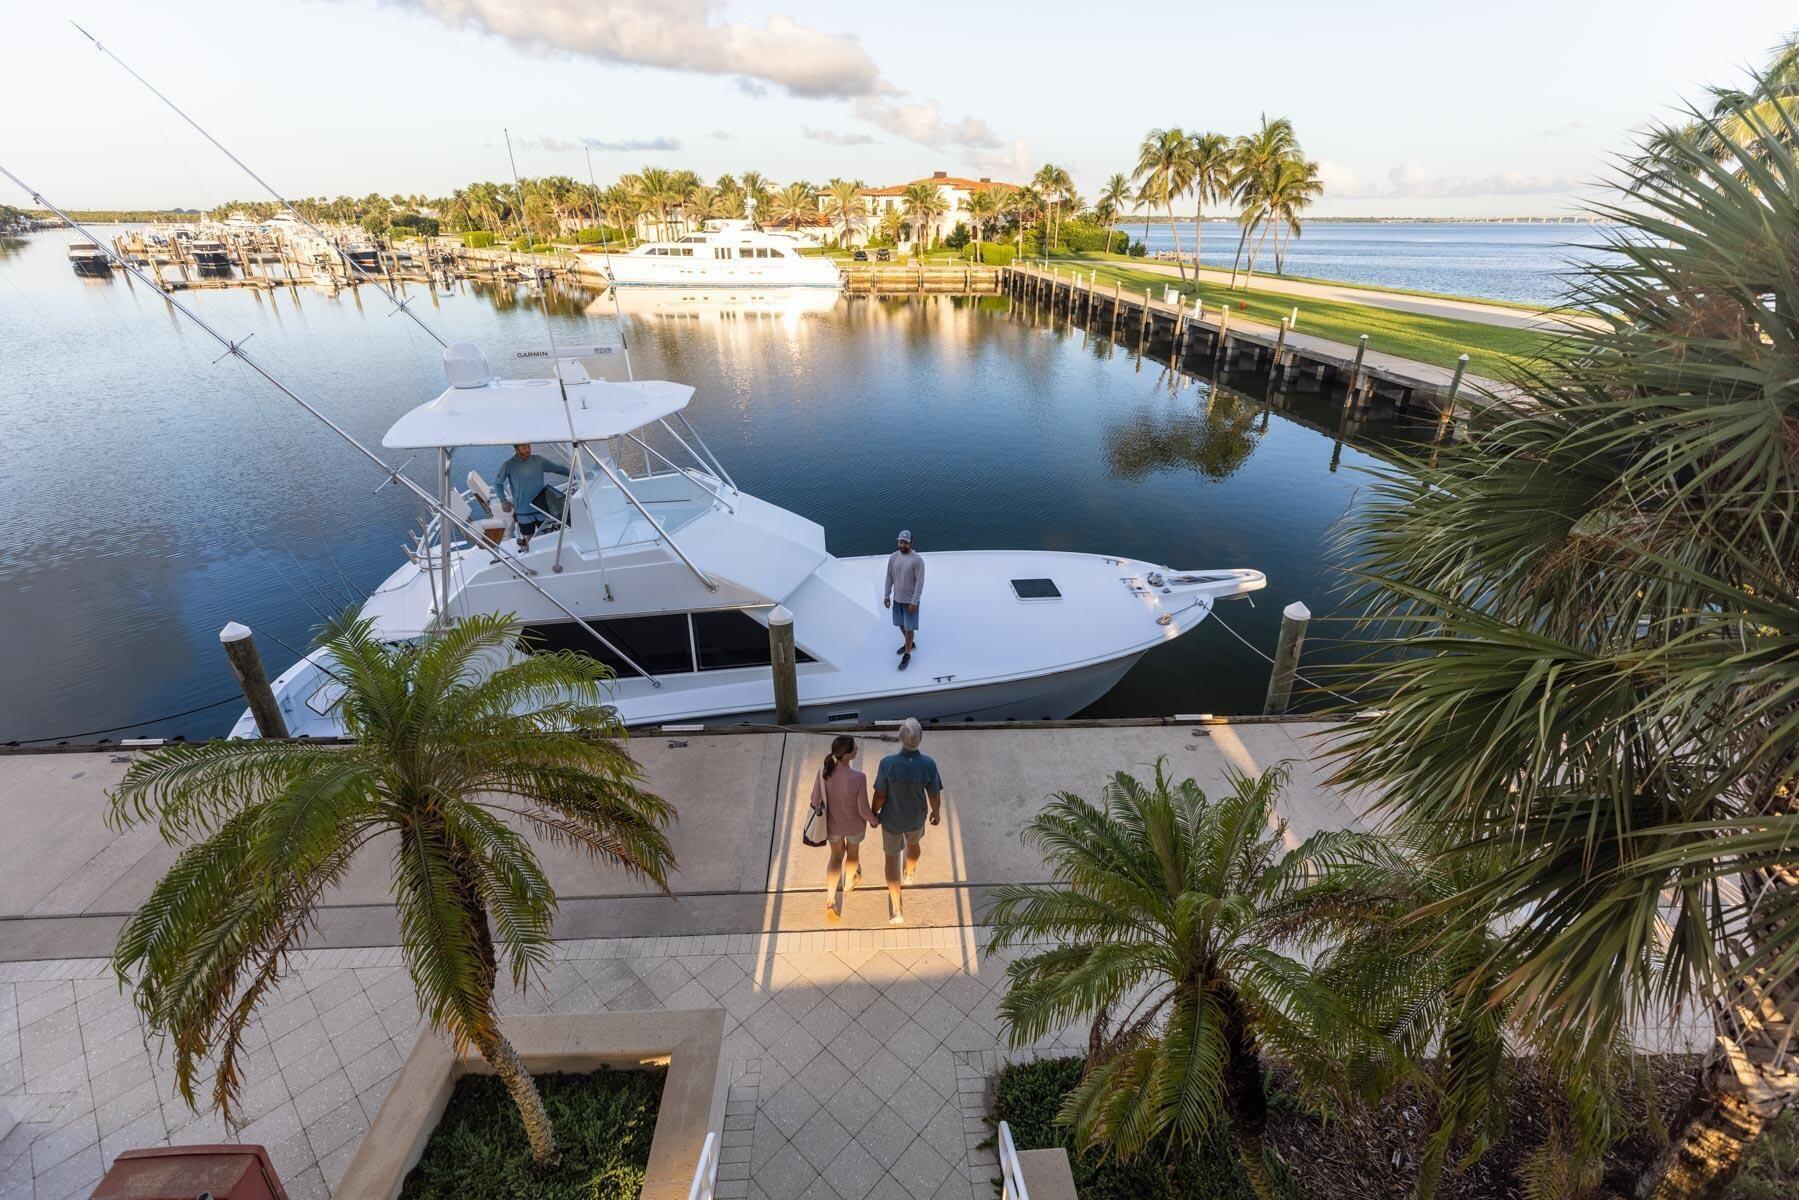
point(1036, 589)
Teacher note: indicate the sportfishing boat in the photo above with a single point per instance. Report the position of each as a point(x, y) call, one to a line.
point(87, 258)
point(652, 560)
point(209, 254)
point(363, 254)
point(724, 254)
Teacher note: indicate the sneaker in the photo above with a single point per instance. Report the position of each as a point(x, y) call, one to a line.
point(902, 649)
point(905, 661)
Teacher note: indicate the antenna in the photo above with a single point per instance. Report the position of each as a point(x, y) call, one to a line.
point(399, 304)
point(236, 350)
point(618, 315)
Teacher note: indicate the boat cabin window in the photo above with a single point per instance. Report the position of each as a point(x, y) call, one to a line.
point(1036, 589)
point(665, 644)
point(687, 251)
point(721, 252)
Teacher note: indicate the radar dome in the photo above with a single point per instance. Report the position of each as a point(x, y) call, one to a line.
point(465, 366)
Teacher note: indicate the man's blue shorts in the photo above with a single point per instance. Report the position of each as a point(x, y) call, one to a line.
point(904, 616)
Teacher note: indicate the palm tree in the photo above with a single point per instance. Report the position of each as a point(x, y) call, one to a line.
point(1290, 192)
point(795, 203)
point(1054, 184)
point(1212, 169)
point(658, 190)
point(1162, 911)
point(1025, 204)
point(1112, 198)
point(922, 203)
point(1256, 158)
point(756, 194)
point(983, 208)
point(1165, 169)
point(1601, 594)
point(845, 206)
point(448, 755)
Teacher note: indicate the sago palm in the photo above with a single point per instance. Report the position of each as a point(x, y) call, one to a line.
point(462, 745)
point(1162, 917)
point(1588, 621)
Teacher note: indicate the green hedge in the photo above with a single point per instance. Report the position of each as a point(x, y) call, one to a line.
point(597, 237)
point(1026, 1099)
point(477, 239)
point(994, 254)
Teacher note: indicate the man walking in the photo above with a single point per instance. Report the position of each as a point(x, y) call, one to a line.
point(905, 785)
point(519, 484)
point(905, 588)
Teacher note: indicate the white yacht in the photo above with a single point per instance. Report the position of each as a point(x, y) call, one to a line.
point(668, 573)
point(724, 254)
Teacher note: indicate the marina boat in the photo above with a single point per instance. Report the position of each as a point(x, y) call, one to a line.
point(364, 255)
point(209, 253)
point(654, 562)
point(86, 258)
point(725, 254)
point(727, 305)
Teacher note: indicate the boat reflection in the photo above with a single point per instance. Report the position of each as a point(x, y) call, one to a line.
point(715, 304)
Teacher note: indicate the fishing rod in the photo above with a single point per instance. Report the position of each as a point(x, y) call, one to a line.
point(618, 316)
point(235, 349)
point(399, 304)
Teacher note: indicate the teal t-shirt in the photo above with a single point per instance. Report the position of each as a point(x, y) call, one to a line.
point(907, 779)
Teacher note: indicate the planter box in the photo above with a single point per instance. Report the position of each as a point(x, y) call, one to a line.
point(691, 1043)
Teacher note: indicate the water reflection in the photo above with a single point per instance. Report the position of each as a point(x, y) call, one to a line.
point(1214, 440)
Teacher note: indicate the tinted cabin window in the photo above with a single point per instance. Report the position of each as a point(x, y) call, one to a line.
point(733, 639)
point(1036, 589)
point(658, 644)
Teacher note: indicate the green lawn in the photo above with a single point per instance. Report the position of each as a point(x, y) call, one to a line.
point(1428, 339)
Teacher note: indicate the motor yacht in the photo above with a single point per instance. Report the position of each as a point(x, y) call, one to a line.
point(653, 561)
point(724, 254)
point(87, 258)
point(209, 254)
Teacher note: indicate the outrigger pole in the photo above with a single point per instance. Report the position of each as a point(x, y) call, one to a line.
point(399, 304)
point(236, 350)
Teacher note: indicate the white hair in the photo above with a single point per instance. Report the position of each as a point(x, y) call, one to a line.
point(911, 733)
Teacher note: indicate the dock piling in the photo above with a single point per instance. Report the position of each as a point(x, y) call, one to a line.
point(246, 665)
point(786, 667)
point(1294, 619)
point(1455, 386)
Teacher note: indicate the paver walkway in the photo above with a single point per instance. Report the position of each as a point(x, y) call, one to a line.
point(860, 1060)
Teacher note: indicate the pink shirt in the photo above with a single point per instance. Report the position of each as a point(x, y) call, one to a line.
point(845, 797)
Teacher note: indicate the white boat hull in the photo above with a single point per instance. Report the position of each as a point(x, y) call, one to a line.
point(631, 270)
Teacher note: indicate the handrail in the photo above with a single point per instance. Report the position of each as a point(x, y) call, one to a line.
point(705, 1175)
point(1010, 1169)
point(681, 470)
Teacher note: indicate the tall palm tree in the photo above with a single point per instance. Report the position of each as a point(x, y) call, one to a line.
point(1165, 170)
point(756, 194)
point(795, 203)
point(1256, 158)
point(1054, 185)
point(922, 203)
point(659, 191)
point(1112, 198)
point(449, 756)
point(1598, 600)
point(1291, 190)
point(845, 206)
point(1163, 911)
point(1212, 170)
point(983, 209)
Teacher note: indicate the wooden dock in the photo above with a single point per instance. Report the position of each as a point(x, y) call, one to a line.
point(1197, 340)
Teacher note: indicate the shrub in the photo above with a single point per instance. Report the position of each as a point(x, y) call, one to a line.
point(477, 239)
point(412, 223)
point(994, 254)
point(593, 237)
point(1085, 236)
point(1026, 1098)
point(958, 237)
point(879, 242)
point(1138, 250)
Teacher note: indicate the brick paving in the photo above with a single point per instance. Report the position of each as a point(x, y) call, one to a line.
point(859, 1060)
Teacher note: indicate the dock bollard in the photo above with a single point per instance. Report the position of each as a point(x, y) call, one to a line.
point(786, 667)
point(246, 664)
point(1286, 658)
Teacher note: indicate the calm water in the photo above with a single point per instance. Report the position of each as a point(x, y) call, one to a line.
point(151, 496)
point(1527, 262)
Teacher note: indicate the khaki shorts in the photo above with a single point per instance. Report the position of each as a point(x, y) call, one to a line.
point(853, 839)
point(895, 843)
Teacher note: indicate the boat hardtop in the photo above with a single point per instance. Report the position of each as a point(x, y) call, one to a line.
point(674, 571)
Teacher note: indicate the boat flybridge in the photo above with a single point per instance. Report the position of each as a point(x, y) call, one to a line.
point(652, 560)
point(724, 254)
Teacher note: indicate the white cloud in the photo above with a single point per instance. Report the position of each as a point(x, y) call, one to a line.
point(922, 122)
point(833, 138)
point(677, 35)
point(1408, 180)
point(587, 143)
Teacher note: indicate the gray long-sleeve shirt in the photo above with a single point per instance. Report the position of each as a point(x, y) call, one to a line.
point(520, 479)
point(905, 578)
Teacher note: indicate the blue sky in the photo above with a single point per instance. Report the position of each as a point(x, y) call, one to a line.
point(1426, 109)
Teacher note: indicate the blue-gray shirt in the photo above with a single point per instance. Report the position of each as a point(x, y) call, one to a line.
point(906, 779)
point(520, 479)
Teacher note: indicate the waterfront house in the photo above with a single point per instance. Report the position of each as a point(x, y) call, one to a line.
point(955, 190)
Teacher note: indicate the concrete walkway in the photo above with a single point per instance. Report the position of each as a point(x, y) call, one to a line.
point(1430, 306)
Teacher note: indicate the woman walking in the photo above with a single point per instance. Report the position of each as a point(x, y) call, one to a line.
point(842, 792)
